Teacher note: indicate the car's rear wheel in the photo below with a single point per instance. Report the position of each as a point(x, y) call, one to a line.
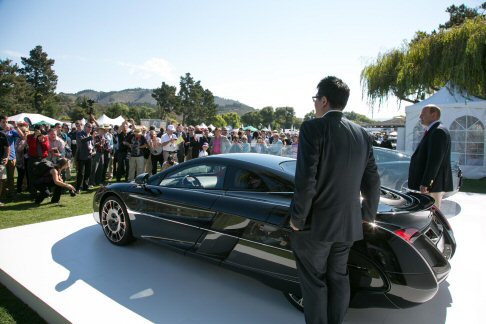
point(115, 221)
point(296, 300)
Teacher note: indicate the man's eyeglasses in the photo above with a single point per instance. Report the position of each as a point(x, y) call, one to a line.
point(315, 98)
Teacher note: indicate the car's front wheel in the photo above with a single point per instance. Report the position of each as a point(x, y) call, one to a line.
point(296, 300)
point(115, 221)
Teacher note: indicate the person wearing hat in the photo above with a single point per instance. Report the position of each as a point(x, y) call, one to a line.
point(98, 159)
point(169, 140)
point(138, 143)
point(204, 150)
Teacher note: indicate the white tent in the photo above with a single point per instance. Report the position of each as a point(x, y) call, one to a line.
point(465, 117)
point(34, 118)
point(105, 120)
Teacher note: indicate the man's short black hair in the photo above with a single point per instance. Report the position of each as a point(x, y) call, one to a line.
point(335, 90)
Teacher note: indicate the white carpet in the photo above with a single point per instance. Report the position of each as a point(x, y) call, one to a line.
point(68, 271)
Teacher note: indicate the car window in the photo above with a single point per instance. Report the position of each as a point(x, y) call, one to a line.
point(289, 166)
point(247, 180)
point(382, 156)
point(201, 176)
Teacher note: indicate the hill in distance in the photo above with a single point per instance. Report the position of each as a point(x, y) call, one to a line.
point(143, 97)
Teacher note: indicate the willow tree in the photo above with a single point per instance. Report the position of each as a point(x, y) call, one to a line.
point(456, 55)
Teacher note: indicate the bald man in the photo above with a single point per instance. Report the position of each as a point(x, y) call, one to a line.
point(430, 166)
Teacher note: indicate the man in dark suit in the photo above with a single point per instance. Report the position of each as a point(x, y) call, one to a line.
point(386, 143)
point(335, 163)
point(430, 166)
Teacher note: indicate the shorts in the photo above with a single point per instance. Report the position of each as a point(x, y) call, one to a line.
point(3, 172)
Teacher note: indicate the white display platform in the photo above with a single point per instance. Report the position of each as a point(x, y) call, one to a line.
point(68, 272)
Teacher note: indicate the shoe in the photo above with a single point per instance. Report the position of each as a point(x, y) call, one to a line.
point(2, 204)
point(90, 187)
point(78, 191)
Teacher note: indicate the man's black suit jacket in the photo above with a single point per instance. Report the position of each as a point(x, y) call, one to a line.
point(430, 165)
point(335, 163)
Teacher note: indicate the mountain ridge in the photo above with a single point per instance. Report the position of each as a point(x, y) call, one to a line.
point(143, 97)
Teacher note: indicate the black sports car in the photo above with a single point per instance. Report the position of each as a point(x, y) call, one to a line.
point(393, 168)
point(233, 209)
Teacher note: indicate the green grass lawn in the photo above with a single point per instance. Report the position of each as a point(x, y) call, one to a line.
point(477, 186)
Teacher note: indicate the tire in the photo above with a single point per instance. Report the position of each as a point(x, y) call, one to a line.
point(115, 221)
point(296, 300)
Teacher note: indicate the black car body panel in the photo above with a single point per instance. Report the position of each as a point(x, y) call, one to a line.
point(204, 207)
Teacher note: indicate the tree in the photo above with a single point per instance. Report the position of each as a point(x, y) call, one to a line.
point(284, 116)
point(196, 103)
point(310, 115)
point(167, 100)
point(232, 119)
point(455, 55)
point(77, 113)
point(357, 118)
point(218, 121)
point(15, 92)
point(117, 109)
point(209, 107)
point(189, 96)
point(40, 75)
point(458, 15)
point(253, 118)
point(267, 115)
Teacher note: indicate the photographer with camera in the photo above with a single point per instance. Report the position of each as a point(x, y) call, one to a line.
point(84, 141)
point(46, 175)
point(171, 160)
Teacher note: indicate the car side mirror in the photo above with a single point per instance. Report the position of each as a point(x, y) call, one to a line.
point(142, 179)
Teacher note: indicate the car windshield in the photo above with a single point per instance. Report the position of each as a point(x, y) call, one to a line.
point(289, 166)
point(382, 155)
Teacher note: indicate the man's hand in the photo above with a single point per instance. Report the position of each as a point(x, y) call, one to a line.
point(424, 189)
point(293, 227)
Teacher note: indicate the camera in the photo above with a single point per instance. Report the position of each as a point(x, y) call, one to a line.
point(72, 193)
point(90, 106)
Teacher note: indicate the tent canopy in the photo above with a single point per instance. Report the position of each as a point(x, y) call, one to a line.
point(251, 128)
point(110, 121)
point(34, 118)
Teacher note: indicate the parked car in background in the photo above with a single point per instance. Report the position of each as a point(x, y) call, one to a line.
point(233, 210)
point(393, 168)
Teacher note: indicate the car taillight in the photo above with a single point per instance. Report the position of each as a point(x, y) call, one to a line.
point(406, 233)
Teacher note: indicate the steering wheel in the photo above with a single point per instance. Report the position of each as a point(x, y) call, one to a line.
point(190, 181)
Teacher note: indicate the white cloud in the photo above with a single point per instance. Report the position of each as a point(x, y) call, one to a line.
point(13, 54)
point(154, 67)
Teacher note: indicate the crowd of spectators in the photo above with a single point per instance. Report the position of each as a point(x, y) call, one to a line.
point(101, 153)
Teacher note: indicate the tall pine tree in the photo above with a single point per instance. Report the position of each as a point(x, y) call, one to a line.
point(40, 75)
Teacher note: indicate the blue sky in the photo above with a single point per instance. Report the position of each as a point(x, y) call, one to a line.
point(259, 52)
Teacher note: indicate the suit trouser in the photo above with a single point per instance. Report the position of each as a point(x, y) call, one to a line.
point(83, 173)
point(323, 275)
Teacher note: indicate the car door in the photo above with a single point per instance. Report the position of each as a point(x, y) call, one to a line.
point(178, 208)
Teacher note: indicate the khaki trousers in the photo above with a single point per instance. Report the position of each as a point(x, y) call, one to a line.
point(437, 197)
